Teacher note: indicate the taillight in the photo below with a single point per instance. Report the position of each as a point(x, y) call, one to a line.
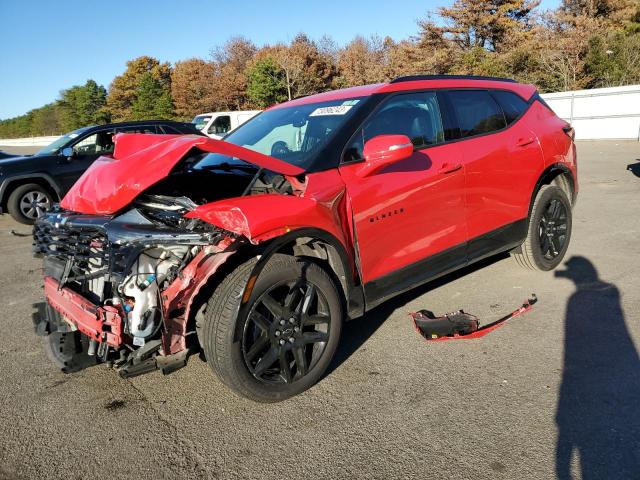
point(571, 133)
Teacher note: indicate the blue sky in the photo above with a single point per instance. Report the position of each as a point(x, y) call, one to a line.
point(49, 45)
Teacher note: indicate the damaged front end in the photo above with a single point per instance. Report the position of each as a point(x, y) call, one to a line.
point(126, 282)
point(132, 246)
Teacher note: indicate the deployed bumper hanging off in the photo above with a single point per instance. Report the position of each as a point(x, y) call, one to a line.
point(102, 324)
point(459, 325)
point(126, 282)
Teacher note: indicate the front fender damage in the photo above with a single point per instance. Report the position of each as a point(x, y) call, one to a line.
point(178, 298)
point(263, 217)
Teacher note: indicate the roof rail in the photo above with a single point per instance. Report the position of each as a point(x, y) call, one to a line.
point(410, 78)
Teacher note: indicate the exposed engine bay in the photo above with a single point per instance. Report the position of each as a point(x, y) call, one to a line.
point(132, 276)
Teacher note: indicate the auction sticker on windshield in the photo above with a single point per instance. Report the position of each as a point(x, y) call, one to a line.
point(337, 110)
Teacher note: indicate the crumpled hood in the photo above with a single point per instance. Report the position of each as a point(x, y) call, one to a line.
point(141, 160)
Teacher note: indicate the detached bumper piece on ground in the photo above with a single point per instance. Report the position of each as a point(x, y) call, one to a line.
point(459, 325)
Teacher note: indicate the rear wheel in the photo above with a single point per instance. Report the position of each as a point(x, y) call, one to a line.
point(549, 230)
point(283, 339)
point(27, 202)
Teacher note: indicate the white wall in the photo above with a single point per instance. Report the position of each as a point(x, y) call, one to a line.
point(28, 142)
point(600, 113)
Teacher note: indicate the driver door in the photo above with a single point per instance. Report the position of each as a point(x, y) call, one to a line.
point(409, 217)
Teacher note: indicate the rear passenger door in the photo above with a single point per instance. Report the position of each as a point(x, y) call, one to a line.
point(500, 154)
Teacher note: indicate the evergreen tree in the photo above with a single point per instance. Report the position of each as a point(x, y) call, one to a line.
point(80, 106)
point(152, 100)
point(124, 88)
point(266, 83)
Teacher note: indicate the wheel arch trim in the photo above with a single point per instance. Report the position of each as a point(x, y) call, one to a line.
point(6, 183)
point(547, 175)
point(342, 265)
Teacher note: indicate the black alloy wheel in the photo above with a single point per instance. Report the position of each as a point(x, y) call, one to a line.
point(548, 230)
point(552, 229)
point(277, 339)
point(286, 332)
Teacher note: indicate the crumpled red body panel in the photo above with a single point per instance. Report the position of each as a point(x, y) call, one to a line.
point(179, 296)
point(262, 217)
point(140, 161)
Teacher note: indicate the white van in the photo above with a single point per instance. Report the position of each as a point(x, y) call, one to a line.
point(217, 124)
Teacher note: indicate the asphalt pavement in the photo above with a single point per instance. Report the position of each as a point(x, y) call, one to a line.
point(553, 393)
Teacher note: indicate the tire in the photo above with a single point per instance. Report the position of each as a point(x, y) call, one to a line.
point(549, 230)
point(68, 351)
point(27, 202)
point(263, 356)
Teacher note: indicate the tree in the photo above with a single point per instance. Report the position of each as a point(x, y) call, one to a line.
point(152, 100)
point(193, 88)
point(231, 63)
point(613, 60)
point(489, 24)
point(561, 58)
point(362, 61)
point(124, 88)
point(306, 70)
point(611, 11)
point(84, 105)
point(17, 127)
point(266, 82)
point(46, 120)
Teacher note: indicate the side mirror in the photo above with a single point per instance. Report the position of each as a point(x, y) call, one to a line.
point(68, 153)
point(384, 150)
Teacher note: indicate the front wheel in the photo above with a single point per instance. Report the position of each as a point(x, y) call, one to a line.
point(283, 338)
point(549, 230)
point(27, 202)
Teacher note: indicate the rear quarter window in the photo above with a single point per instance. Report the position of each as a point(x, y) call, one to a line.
point(512, 105)
point(477, 112)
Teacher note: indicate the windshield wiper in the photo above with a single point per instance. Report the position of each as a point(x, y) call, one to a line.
point(228, 166)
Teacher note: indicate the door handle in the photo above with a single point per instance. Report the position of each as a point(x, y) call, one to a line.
point(450, 168)
point(523, 142)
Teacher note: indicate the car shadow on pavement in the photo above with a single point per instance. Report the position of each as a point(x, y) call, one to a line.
point(355, 333)
point(598, 414)
point(635, 167)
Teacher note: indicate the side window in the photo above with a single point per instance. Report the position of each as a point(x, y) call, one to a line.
point(137, 129)
point(415, 115)
point(220, 125)
point(512, 105)
point(476, 112)
point(169, 130)
point(100, 143)
point(86, 146)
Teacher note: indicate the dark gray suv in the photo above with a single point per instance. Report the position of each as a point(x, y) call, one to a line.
point(29, 185)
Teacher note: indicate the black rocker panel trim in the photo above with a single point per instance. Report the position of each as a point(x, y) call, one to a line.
point(502, 239)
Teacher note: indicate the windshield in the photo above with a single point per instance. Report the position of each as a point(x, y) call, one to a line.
point(57, 145)
point(200, 121)
point(294, 134)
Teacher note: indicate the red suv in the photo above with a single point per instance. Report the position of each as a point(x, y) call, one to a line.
point(253, 250)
